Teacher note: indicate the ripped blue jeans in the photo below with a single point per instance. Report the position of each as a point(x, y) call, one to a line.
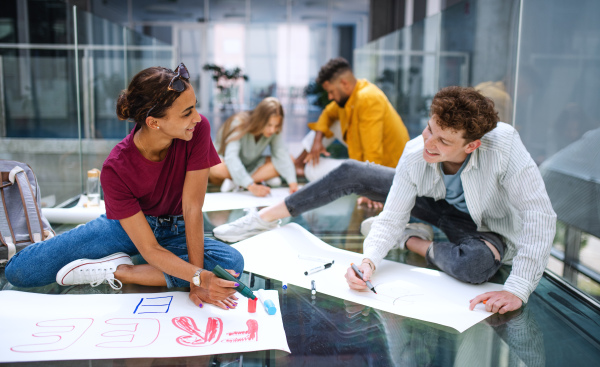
point(37, 265)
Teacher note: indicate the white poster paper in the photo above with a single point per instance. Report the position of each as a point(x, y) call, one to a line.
point(39, 327)
point(420, 293)
point(80, 213)
point(215, 201)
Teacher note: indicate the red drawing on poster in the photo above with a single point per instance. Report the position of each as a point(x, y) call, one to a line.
point(59, 335)
point(246, 335)
point(214, 328)
point(132, 333)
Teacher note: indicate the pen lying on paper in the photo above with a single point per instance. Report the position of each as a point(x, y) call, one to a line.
point(319, 268)
point(360, 274)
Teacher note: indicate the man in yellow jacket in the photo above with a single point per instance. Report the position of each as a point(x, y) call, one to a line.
point(360, 116)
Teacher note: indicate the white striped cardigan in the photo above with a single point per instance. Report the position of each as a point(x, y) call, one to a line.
point(504, 192)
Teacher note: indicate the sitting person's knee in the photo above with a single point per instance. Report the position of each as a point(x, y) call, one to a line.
point(349, 168)
point(14, 275)
point(493, 249)
point(237, 261)
point(474, 267)
point(351, 164)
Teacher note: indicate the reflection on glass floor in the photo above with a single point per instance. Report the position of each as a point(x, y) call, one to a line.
point(556, 328)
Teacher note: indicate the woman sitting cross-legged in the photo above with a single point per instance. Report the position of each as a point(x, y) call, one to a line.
point(154, 184)
point(242, 141)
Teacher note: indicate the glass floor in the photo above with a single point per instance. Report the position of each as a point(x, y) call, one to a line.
point(558, 327)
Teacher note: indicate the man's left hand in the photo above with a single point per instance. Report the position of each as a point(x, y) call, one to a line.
point(497, 302)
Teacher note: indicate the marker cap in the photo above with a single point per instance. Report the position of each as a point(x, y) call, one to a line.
point(252, 305)
point(267, 303)
point(270, 307)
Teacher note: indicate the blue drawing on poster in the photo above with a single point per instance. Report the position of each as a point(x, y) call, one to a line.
point(153, 305)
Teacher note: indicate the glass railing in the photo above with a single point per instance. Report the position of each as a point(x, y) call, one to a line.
point(540, 62)
point(58, 99)
point(558, 116)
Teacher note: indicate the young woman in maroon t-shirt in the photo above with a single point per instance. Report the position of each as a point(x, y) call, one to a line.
point(153, 179)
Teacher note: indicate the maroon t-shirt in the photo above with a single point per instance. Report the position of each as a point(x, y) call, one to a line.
point(132, 183)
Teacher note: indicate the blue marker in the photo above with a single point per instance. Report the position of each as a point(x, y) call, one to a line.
point(267, 303)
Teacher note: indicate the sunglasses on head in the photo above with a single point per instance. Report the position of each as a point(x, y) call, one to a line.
point(176, 83)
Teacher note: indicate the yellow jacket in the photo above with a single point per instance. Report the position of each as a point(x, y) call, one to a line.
point(370, 125)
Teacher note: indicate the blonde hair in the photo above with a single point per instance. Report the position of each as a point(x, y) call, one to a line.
point(251, 122)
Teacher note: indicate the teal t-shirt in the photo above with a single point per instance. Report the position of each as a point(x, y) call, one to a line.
point(455, 195)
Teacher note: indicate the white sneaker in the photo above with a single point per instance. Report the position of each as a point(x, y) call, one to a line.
point(245, 227)
point(365, 226)
point(93, 272)
point(227, 185)
point(274, 182)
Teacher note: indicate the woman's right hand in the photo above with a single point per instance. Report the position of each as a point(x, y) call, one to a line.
point(213, 290)
point(199, 296)
point(259, 190)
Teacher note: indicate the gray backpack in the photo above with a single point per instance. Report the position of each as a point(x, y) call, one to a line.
point(21, 220)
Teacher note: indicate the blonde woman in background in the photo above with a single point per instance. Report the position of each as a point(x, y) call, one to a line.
point(241, 143)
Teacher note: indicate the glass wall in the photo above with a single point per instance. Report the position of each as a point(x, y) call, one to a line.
point(279, 45)
point(540, 63)
point(467, 44)
point(63, 122)
point(558, 116)
point(60, 121)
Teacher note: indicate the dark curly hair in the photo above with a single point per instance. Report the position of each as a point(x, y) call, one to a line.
point(333, 69)
point(146, 90)
point(461, 108)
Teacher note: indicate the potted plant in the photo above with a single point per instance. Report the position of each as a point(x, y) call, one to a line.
point(226, 82)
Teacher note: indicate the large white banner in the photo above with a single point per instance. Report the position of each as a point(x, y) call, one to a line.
point(40, 327)
point(286, 253)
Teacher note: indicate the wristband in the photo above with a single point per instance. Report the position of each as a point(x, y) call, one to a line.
point(368, 262)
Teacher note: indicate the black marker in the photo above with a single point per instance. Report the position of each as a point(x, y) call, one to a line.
point(318, 268)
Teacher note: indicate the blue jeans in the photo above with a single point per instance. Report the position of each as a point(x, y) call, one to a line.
point(465, 257)
point(37, 265)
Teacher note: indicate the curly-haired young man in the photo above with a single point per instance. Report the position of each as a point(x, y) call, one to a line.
point(473, 178)
point(468, 175)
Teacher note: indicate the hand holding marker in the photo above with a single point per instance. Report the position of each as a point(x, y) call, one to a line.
point(244, 291)
point(360, 274)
